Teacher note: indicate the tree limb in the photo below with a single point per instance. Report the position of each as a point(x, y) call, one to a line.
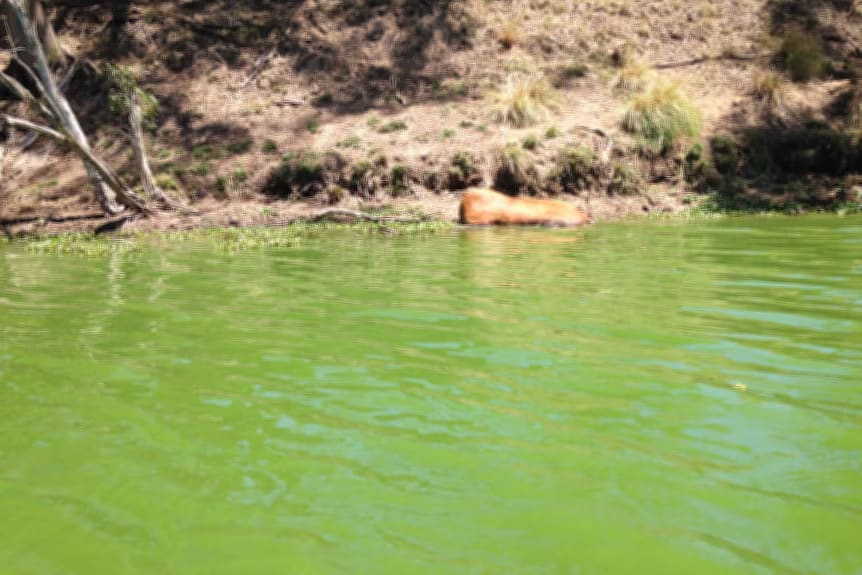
point(2, 153)
point(25, 95)
point(138, 146)
point(112, 194)
point(131, 199)
point(67, 77)
point(605, 157)
point(258, 67)
point(16, 122)
point(704, 59)
point(65, 117)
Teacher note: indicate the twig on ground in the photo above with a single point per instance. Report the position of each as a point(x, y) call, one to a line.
point(704, 59)
point(609, 142)
point(114, 224)
point(259, 64)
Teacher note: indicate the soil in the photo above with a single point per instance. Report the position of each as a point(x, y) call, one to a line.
point(249, 213)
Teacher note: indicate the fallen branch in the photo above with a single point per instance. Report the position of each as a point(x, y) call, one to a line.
point(605, 157)
point(210, 29)
point(291, 101)
point(704, 59)
point(129, 198)
point(52, 219)
point(596, 131)
point(113, 224)
point(258, 67)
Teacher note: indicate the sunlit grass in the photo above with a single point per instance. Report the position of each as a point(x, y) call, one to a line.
point(769, 89)
point(524, 101)
point(661, 117)
point(633, 76)
point(509, 34)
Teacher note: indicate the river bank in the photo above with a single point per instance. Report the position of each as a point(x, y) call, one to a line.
point(253, 225)
point(437, 208)
point(250, 134)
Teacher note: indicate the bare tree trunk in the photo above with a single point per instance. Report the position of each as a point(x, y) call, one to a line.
point(65, 117)
point(54, 51)
point(32, 137)
point(94, 164)
point(3, 138)
point(138, 146)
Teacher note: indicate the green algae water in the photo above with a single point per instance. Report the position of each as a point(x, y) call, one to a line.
point(664, 398)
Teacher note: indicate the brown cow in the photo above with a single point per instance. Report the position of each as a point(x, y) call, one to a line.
point(483, 206)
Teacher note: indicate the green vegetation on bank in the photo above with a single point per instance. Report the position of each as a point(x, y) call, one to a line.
point(236, 239)
point(230, 239)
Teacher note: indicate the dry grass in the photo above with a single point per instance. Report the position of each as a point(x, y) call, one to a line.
point(769, 89)
point(478, 8)
point(633, 76)
point(524, 101)
point(509, 34)
point(660, 117)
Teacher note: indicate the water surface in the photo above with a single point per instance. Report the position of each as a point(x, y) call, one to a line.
point(667, 398)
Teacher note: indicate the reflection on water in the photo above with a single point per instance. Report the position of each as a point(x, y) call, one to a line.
point(683, 397)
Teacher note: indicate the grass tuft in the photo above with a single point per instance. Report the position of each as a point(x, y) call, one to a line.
point(509, 34)
point(660, 118)
point(393, 126)
point(398, 180)
point(802, 56)
point(531, 142)
point(633, 76)
point(625, 180)
point(463, 171)
point(515, 172)
point(524, 101)
point(768, 89)
point(575, 169)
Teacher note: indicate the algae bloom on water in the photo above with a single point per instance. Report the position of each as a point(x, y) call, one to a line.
point(342, 399)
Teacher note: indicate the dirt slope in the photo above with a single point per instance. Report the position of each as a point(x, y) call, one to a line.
point(406, 85)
